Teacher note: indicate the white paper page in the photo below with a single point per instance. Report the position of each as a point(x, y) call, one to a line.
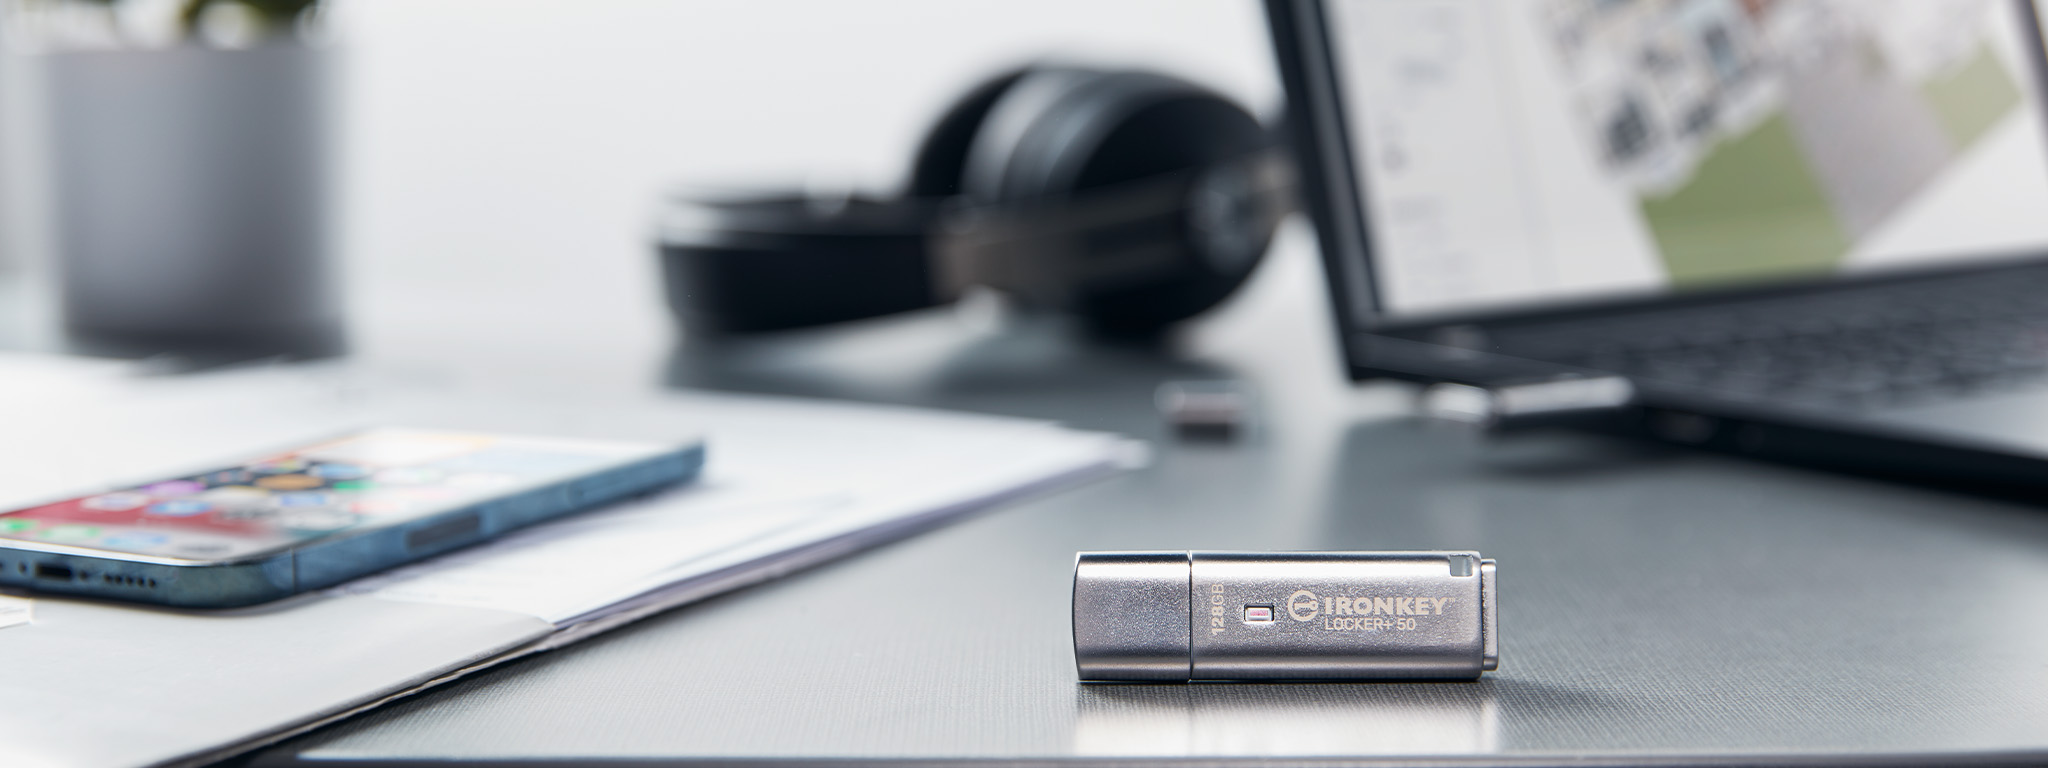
point(104, 686)
point(556, 570)
point(971, 474)
point(768, 489)
point(16, 611)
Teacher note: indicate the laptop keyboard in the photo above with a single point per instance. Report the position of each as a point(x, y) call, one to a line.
point(1882, 345)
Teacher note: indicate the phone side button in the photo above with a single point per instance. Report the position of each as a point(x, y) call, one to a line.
point(441, 533)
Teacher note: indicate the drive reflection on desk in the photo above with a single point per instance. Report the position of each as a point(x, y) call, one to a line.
point(1283, 721)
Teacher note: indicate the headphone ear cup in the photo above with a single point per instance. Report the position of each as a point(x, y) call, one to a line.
point(1059, 133)
point(1220, 235)
point(941, 159)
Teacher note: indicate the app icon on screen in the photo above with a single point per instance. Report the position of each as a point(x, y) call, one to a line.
point(289, 482)
point(304, 499)
point(339, 471)
point(173, 488)
point(278, 466)
point(245, 512)
point(179, 508)
point(68, 533)
point(228, 477)
point(16, 525)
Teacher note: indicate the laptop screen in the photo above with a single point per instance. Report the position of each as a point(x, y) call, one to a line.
point(1515, 154)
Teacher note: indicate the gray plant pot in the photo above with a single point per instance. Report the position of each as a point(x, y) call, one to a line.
point(191, 190)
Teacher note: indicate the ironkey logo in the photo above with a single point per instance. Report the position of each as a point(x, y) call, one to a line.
point(1303, 605)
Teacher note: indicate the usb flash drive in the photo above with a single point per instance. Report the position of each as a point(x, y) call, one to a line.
point(1284, 615)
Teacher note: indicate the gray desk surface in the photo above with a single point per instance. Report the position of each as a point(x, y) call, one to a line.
point(1658, 606)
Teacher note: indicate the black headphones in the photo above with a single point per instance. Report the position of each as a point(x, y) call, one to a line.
point(1132, 199)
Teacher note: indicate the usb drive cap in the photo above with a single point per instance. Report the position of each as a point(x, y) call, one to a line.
point(1284, 615)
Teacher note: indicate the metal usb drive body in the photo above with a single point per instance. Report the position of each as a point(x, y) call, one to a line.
point(1284, 615)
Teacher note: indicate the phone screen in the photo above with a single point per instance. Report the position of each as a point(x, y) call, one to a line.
point(375, 478)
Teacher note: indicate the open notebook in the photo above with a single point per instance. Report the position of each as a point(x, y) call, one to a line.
point(789, 484)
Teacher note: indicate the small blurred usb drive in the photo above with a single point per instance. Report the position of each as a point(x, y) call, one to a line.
point(1509, 406)
point(1284, 615)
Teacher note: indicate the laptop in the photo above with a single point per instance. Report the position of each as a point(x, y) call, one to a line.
point(1810, 230)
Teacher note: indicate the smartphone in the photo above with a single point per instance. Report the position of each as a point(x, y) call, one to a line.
point(320, 515)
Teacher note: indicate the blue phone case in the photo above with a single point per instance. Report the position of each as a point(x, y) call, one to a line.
point(331, 560)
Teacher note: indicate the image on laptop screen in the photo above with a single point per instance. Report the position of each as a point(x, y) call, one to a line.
point(1516, 153)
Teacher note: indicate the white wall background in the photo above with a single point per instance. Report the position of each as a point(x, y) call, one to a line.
point(503, 157)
